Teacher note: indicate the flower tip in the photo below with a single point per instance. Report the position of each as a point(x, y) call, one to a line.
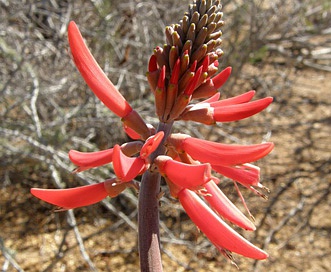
point(269, 147)
point(227, 71)
point(72, 25)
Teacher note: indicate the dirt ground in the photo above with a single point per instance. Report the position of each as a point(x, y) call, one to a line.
point(293, 225)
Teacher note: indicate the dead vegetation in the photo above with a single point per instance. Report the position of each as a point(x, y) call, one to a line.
point(281, 49)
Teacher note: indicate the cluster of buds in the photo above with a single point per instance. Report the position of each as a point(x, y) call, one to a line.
point(183, 70)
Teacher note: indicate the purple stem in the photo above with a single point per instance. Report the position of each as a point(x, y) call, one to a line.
point(148, 213)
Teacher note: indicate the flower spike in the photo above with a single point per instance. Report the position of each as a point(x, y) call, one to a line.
point(183, 69)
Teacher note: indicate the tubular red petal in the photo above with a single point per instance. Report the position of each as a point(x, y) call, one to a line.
point(87, 160)
point(240, 111)
point(222, 77)
point(152, 64)
point(239, 99)
point(216, 229)
point(224, 154)
point(73, 197)
point(246, 174)
point(160, 93)
point(193, 66)
point(175, 72)
point(185, 175)
point(93, 75)
point(205, 64)
point(151, 144)
point(224, 207)
point(192, 85)
point(126, 168)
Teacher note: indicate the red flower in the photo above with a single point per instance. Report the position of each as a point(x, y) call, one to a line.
point(102, 87)
point(232, 109)
point(218, 153)
point(224, 207)
point(80, 196)
point(95, 78)
point(182, 174)
point(218, 232)
point(87, 160)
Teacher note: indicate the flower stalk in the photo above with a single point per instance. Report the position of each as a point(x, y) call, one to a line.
point(148, 212)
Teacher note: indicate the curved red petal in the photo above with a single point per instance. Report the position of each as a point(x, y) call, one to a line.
point(185, 175)
point(239, 99)
point(126, 168)
point(246, 174)
point(222, 77)
point(216, 229)
point(73, 197)
point(224, 207)
point(240, 111)
point(224, 154)
point(86, 160)
point(193, 82)
point(93, 75)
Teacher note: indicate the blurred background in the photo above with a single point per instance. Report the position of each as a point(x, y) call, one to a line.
point(280, 48)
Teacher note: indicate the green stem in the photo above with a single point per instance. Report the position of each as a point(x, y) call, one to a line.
point(148, 213)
